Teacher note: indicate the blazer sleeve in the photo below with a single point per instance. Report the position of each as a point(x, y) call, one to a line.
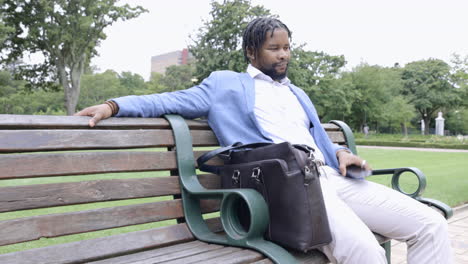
point(190, 103)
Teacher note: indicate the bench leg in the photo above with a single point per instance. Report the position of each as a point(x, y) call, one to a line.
point(388, 250)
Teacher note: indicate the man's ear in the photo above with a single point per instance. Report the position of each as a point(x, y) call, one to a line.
point(250, 54)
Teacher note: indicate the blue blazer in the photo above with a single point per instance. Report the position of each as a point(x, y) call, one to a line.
point(227, 100)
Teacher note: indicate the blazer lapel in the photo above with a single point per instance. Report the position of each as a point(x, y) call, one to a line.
point(248, 85)
point(308, 108)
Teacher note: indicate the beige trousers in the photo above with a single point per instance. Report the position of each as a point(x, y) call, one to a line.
point(356, 208)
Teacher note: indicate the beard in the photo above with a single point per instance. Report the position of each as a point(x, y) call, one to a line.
point(273, 73)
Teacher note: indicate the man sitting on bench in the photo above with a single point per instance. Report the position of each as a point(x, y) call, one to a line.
point(262, 105)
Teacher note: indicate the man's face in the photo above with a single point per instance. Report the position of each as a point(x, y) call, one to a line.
point(273, 57)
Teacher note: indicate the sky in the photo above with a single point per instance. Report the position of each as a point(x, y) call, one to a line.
point(376, 32)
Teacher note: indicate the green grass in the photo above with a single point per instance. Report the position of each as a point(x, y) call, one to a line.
point(446, 172)
point(423, 141)
point(447, 180)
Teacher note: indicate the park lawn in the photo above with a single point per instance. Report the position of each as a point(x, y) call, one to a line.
point(447, 178)
point(446, 172)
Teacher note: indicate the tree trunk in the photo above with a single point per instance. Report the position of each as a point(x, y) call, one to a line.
point(71, 82)
point(63, 78)
point(427, 123)
point(404, 129)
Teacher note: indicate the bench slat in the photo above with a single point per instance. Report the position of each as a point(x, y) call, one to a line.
point(150, 253)
point(330, 127)
point(207, 255)
point(336, 137)
point(100, 248)
point(54, 225)
point(76, 122)
point(79, 163)
point(58, 164)
point(40, 140)
point(243, 256)
point(190, 252)
point(59, 194)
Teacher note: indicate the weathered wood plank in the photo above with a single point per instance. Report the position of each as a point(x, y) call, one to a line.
point(59, 194)
point(204, 256)
point(336, 137)
point(175, 255)
point(41, 140)
point(330, 127)
point(54, 225)
point(150, 253)
point(57, 164)
point(78, 163)
point(243, 256)
point(73, 122)
point(101, 248)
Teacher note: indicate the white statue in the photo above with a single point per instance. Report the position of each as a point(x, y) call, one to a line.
point(439, 124)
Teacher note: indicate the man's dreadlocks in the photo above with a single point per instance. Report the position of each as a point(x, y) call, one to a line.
point(255, 33)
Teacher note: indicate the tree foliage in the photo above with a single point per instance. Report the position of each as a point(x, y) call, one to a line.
point(64, 32)
point(14, 99)
point(427, 85)
point(217, 45)
point(178, 77)
point(4, 29)
point(314, 72)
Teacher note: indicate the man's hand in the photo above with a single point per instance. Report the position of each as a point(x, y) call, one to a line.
point(345, 159)
point(97, 112)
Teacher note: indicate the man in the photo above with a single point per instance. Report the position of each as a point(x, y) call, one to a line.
point(263, 106)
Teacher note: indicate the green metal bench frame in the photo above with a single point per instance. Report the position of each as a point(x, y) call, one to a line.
point(235, 235)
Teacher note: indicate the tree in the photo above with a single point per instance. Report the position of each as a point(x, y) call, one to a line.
point(178, 77)
point(369, 88)
point(427, 85)
point(460, 70)
point(132, 82)
point(398, 112)
point(314, 72)
point(457, 118)
point(154, 84)
point(14, 99)
point(65, 33)
point(457, 121)
point(97, 88)
point(460, 76)
point(217, 45)
point(4, 29)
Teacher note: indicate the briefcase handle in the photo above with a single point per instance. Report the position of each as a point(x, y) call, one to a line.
point(236, 146)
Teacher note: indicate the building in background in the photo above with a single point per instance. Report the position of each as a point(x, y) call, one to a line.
point(159, 63)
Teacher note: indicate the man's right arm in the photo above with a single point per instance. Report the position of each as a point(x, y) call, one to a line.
point(190, 103)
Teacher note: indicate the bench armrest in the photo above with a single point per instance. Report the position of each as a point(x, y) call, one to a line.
point(443, 208)
point(396, 179)
point(192, 191)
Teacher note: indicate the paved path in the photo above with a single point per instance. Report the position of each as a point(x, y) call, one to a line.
point(458, 231)
point(418, 149)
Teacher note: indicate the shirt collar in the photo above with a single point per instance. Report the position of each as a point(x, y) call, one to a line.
point(257, 74)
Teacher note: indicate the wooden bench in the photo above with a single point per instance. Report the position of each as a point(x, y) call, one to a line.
point(64, 181)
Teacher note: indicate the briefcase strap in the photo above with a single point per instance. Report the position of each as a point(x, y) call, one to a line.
point(201, 161)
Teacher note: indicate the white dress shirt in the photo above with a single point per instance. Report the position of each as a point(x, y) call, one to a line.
point(279, 112)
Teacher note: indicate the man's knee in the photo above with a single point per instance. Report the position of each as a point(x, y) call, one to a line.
point(360, 249)
point(436, 225)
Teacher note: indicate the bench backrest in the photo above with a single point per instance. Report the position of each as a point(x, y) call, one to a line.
point(59, 177)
